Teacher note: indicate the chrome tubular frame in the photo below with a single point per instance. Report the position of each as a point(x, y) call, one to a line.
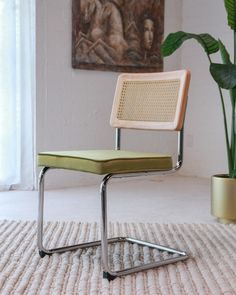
point(107, 272)
point(42, 250)
point(118, 135)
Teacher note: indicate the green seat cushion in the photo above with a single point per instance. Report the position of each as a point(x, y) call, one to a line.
point(105, 161)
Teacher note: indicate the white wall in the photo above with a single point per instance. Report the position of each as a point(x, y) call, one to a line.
point(205, 152)
point(73, 106)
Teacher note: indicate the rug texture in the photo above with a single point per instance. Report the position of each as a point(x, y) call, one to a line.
point(210, 270)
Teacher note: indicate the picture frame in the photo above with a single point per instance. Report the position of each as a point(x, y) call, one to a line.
point(117, 35)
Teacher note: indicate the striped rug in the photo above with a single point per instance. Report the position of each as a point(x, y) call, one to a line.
point(210, 270)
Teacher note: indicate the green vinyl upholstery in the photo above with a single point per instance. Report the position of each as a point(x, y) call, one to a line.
point(105, 161)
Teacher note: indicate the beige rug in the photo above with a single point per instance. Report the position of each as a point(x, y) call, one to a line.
point(210, 270)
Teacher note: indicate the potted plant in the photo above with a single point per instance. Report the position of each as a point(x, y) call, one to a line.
point(223, 187)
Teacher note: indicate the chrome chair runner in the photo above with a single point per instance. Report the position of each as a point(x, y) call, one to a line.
point(118, 122)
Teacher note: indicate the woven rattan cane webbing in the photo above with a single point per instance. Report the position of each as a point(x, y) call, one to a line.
point(149, 100)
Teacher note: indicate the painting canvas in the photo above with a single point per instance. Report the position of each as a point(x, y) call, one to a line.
point(117, 35)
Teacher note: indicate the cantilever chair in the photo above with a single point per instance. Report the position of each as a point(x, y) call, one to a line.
point(153, 101)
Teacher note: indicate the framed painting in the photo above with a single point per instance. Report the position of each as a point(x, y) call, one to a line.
point(117, 35)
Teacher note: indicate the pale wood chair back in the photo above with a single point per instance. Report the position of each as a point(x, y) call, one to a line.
point(154, 101)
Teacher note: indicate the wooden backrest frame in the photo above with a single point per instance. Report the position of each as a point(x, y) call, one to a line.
point(184, 78)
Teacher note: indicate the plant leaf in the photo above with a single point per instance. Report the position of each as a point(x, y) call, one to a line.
point(224, 75)
point(175, 40)
point(224, 53)
point(230, 6)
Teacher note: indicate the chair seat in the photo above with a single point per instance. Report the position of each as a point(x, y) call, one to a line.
point(105, 161)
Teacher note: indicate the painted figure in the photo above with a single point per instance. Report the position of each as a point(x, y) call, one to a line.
point(105, 23)
point(148, 34)
point(117, 34)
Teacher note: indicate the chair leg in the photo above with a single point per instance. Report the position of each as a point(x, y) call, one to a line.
point(42, 250)
point(107, 272)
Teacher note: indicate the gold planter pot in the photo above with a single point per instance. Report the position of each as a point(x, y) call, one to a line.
point(223, 198)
